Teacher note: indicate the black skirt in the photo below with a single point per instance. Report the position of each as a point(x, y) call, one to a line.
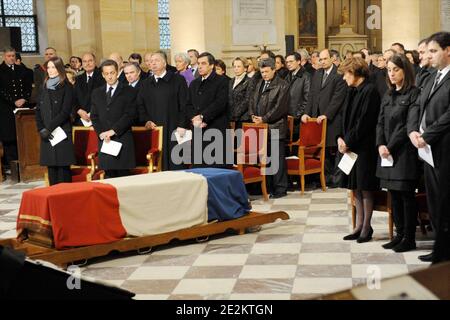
point(399, 185)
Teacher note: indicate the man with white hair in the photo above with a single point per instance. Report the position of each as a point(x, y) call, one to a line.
point(161, 101)
point(305, 61)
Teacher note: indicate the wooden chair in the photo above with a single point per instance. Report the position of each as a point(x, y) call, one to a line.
point(290, 123)
point(311, 153)
point(382, 202)
point(1, 156)
point(148, 150)
point(252, 159)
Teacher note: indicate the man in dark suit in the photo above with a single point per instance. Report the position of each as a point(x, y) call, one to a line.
point(299, 85)
point(207, 108)
point(429, 124)
point(113, 112)
point(193, 54)
point(325, 101)
point(161, 101)
point(270, 104)
point(133, 74)
point(84, 85)
point(425, 68)
point(15, 92)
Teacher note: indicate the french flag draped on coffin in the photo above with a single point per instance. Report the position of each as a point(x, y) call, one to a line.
point(89, 213)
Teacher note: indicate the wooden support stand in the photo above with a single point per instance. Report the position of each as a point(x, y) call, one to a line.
point(64, 257)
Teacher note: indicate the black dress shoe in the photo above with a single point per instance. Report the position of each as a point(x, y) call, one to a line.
point(426, 257)
point(278, 196)
point(367, 238)
point(352, 236)
point(405, 245)
point(397, 239)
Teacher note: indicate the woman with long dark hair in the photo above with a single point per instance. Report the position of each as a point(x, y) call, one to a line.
point(400, 175)
point(360, 114)
point(53, 110)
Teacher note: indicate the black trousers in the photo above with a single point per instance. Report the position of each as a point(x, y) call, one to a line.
point(59, 175)
point(433, 189)
point(278, 182)
point(10, 151)
point(404, 213)
point(116, 173)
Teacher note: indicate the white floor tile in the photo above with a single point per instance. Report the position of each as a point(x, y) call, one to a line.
point(276, 248)
point(324, 259)
point(153, 273)
point(383, 270)
point(268, 272)
point(182, 250)
point(321, 285)
point(204, 286)
point(221, 260)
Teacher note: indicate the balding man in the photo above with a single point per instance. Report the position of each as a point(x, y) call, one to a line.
point(84, 85)
point(119, 60)
point(325, 100)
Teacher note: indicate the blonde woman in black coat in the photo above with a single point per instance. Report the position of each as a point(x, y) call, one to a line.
point(393, 141)
point(53, 110)
point(238, 93)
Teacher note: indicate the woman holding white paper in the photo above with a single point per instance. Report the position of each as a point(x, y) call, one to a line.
point(398, 167)
point(360, 114)
point(53, 122)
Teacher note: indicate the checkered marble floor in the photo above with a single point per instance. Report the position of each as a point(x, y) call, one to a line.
point(299, 258)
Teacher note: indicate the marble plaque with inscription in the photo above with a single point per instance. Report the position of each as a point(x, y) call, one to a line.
point(254, 22)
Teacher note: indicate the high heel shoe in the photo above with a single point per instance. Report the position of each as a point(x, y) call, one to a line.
point(353, 236)
point(366, 238)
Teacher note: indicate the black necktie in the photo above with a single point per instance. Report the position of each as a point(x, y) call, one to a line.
point(436, 82)
point(324, 79)
point(109, 95)
point(423, 124)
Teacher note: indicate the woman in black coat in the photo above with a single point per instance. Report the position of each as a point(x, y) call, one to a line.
point(360, 114)
point(238, 93)
point(392, 141)
point(53, 110)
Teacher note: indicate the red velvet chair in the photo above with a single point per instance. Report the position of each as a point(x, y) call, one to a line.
point(85, 142)
point(290, 123)
point(311, 152)
point(251, 158)
point(148, 150)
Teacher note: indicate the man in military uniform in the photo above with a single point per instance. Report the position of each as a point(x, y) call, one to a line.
point(15, 92)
